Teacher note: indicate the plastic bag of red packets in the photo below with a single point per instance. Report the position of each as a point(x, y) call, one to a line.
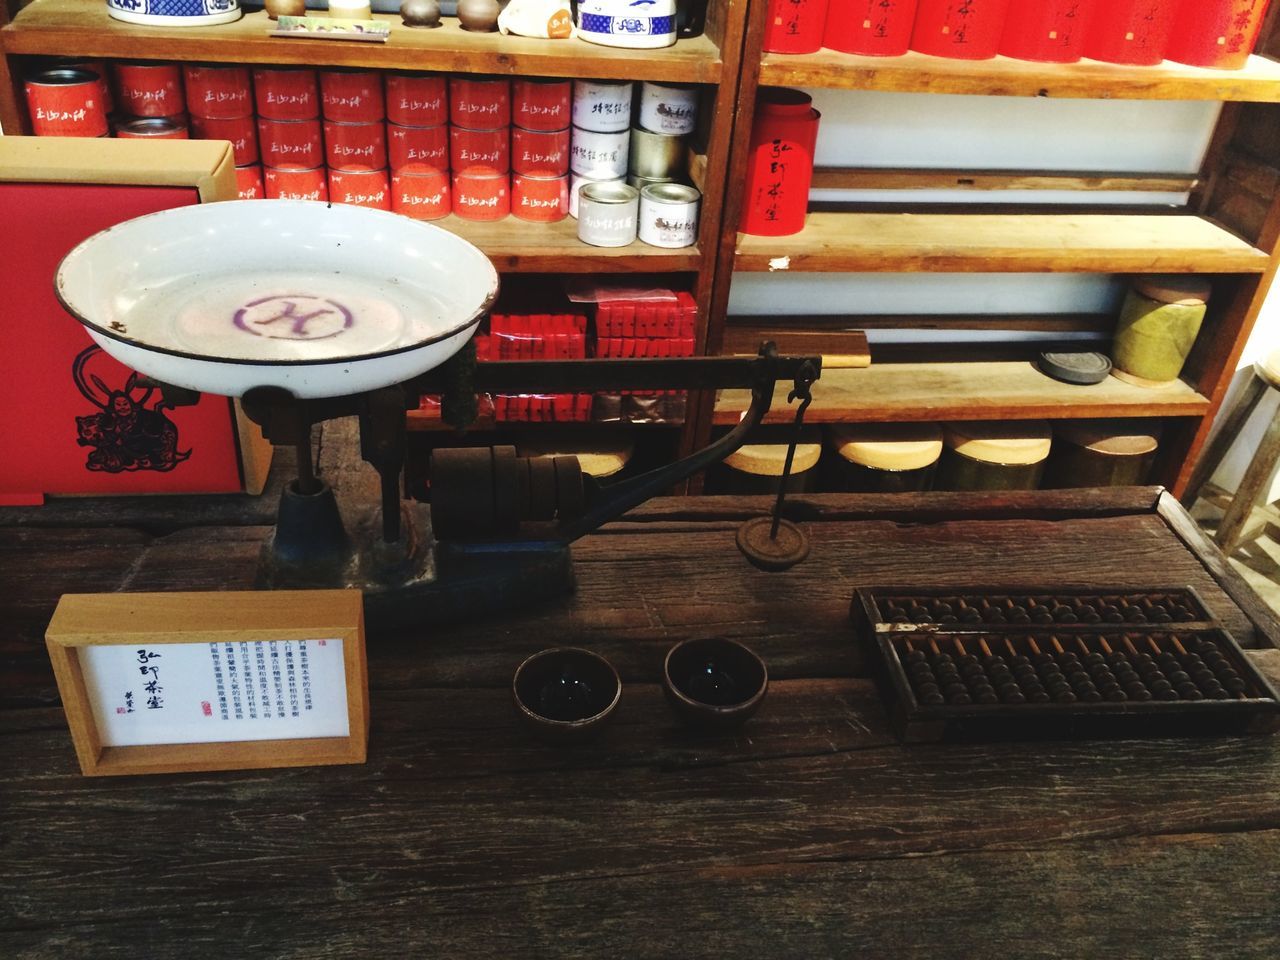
point(539, 336)
point(542, 408)
point(647, 327)
point(430, 408)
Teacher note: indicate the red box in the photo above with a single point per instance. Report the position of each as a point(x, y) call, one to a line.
point(80, 425)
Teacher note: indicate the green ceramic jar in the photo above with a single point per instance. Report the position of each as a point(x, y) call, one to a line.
point(1101, 453)
point(883, 457)
point(982, 455)
point(1158, 327)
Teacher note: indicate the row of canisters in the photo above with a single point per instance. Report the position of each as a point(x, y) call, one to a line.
point(1203, 33)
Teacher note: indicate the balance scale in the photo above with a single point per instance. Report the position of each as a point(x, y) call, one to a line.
point(308, 311)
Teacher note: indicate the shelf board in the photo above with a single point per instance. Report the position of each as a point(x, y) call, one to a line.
point(1005, 77)
point(84, 29)
point(517, 246)
point(1002, 243)
point(1009, 390)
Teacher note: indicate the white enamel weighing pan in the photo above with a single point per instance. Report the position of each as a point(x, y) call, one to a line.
point(321, 300)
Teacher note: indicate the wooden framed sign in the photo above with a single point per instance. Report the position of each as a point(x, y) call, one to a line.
point(177, 682)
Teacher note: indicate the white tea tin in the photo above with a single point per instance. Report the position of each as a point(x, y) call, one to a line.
point(607, 214)
point(669, 215)
point(603, 106)
point(668, 108)
point(600, 156)
point(576, 183)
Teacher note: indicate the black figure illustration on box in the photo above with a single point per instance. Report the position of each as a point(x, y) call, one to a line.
point(125, 435)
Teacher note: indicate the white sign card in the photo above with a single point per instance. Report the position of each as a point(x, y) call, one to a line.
point(168, 693)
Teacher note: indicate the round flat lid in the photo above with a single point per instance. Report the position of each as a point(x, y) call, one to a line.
point(600, 453)
point(1001, 442)
point(889, 446)
point(1117, 438)
point(1085, 367)
point(1183, 289)
point(768, 459)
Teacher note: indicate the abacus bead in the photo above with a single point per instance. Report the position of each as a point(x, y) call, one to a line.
point(1038, 696)
point(934, 699)
point(1117, 695)
point(987, 697)
point(1015, 697)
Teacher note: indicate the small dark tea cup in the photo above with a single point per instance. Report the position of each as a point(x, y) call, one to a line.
point(714, 683)
point(566, 694)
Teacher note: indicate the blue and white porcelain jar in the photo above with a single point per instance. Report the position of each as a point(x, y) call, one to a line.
point(638, 24)
point(175, 13)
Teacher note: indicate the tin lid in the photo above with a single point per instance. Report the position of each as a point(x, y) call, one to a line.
point(600, 453)
point(609, 191)
point(151, 125)
point(1117, 438)
point(888, 446)
point(783, 102)
point(1001, 442)
point(670, 193)
point(63, 77)
point(1181, 289)
point(1083, 367)
point(768, 459)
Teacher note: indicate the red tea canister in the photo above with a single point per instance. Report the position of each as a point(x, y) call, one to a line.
point(149, 89)
point(1130, 31)
point(360, 188)
point(421, 149)
point(355, 146)
point(480, 151)
point(290, 144)
point(218, 92)
point(1052, 31)
point(784, 133)
point(295, 184)
point(875, 28)
point(417, 99)
point(540, 199)
point(249, 182)
point(480, 103)
point(241, 131)
point(351, 96)
point(286, 94)
point(795, 26)
point(481, 196)
point(93, 66)
point(960, 29)
point(66, 102)
point(423, 196)
point(1216, 33)
point(152, 128)
point(540, 104)
point(540, 153)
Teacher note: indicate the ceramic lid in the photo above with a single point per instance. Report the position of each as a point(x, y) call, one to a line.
point(768, 459)
point(889, 446)
point(600, 453)
point(1117, 438)
point(1185, 290)
point(1013, 442)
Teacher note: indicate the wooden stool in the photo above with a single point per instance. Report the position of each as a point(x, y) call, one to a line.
point(1264, 377)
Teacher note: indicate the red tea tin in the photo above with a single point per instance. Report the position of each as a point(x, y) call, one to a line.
point(795, 26)
point(285, 94)
point(290, 144)
point(1216, 33)
point(421, 149)
point(218, 92)
point(249, 182)
point(481, 196)
point(540, 153)
point(480, 103)
point(784, 133)
point(93, 66)
point(152, 128)
point(351, 96)
point(1130, 31)
point(295, 184)
point(149, 89)
point(361, 188)
point(417, 99)
point(540, 199)
point(541, 104)
point(1052, 31)
point(241, 131)
point(66, 102)
point(355, 146)
point(968, 30)
point(480, 151)
point(873, 28)
point(423, 196)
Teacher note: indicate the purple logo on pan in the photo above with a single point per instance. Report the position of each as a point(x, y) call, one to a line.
point(297, 317)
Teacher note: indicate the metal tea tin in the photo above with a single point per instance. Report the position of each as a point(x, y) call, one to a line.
point(355, 146)
point(418, 149)
point(481, 196)
point(241, 131)
point(417, 99)
point(295, 184)
point(352, 96)
point(480, 151)
point(539, 199)
point(249, 182)
point(152, 128)
point(576, 183)
point(291, 144)
point(603, 106)
point(641, 182)
point(668, 108)
point(540, 153)
point(541, 104)
point(607, 214)
point(669, 215)
point(149, 89)
point(599, 156)
point(286, 93)
point(218, 91)
point(479, 103)
point(423, 196)
point(657, 155)
point(66, 102)
point(361, 188)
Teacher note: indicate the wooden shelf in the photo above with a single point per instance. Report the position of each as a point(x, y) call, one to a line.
point(517, 246)
point(1089, 79)
point(1012, 390)
point(82, 28)
point(1002, 243)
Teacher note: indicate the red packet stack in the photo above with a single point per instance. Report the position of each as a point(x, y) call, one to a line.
point(645, 328)
point(540, 336)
